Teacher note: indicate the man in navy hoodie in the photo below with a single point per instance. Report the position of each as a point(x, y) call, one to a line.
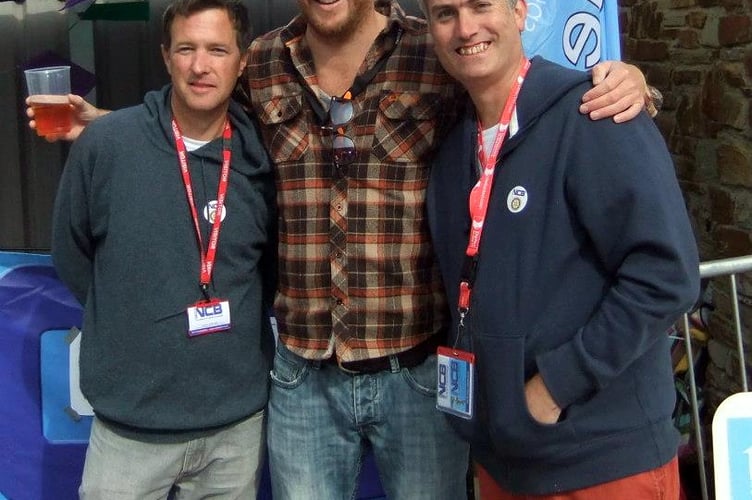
point(566, 250)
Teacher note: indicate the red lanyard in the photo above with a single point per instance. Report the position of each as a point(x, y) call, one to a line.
point(481, 192)
point(207, 260)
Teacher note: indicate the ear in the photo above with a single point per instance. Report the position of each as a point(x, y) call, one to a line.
point(520, 14)
point(166, 58)
point(243, 62)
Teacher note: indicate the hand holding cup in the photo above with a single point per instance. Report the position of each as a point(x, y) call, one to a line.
point(83, 114)
point(48, 90)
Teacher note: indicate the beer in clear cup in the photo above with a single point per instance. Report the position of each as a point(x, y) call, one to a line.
point(48, 90)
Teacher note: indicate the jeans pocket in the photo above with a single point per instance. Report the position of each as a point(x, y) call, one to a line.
point(422, 378)
point(288, 371)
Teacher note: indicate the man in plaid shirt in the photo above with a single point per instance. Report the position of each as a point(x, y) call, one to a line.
point(352, 103)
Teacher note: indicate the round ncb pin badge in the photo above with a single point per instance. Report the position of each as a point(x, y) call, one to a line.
point(517, 199)
point(210, 211)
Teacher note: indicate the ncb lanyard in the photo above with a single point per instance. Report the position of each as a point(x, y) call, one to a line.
point(207, 260)
point(481, 192)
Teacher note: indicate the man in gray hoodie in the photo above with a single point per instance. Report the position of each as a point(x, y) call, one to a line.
point(162, 224)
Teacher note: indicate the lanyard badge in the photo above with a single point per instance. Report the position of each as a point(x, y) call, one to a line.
point(208, 315)
point(480, 195)
point(454, 387)
point(455, 368)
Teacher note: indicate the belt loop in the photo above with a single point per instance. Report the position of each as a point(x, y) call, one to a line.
point(394, 365)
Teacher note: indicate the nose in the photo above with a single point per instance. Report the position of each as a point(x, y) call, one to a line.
point(467, 25)
point(199, 64)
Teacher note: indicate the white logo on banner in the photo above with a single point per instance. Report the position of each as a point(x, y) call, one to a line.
point(574, 33)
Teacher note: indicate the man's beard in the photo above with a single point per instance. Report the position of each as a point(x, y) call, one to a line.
point(342, 31)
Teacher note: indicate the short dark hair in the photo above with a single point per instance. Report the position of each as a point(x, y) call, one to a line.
point(236, 11)
point(424, 9)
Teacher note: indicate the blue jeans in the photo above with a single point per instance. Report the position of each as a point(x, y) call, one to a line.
point(321, 422)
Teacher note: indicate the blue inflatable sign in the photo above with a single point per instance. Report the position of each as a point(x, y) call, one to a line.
point(574, 33)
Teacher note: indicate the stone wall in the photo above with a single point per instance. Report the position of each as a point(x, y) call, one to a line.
point(699, 54)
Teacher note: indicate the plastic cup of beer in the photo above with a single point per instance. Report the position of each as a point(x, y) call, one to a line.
point(48, 96)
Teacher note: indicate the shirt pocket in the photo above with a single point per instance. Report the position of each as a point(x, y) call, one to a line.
point(405, 128)
point(282, 116)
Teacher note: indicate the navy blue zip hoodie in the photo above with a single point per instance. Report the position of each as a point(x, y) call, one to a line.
point(580, 286)
point(125, 244)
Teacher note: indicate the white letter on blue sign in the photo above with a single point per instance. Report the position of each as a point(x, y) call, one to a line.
point(573, 49)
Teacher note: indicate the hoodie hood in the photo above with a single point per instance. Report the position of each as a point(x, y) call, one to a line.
point(245, 138)
point(545, 84)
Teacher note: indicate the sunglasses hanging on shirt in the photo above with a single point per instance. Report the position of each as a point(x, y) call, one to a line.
point(341, 112)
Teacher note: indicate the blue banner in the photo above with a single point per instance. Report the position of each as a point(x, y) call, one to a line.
point(574, 33)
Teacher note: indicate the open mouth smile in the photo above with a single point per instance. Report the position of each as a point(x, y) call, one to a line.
point(474, 49)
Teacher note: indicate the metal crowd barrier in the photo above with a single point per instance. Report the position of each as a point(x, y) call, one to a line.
point(713, 269)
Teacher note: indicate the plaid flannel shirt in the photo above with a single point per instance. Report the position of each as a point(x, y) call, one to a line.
point(357, 274)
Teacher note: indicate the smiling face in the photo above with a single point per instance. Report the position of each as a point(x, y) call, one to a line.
point(335, 19)
point(204, 63)
point(478, 41)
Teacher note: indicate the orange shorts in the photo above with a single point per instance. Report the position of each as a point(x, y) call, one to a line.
point(661, 483)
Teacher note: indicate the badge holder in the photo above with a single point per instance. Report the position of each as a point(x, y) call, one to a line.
point(208, 316)
point(454, 388)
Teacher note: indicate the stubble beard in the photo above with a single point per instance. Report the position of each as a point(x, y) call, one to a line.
point(343, 31)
